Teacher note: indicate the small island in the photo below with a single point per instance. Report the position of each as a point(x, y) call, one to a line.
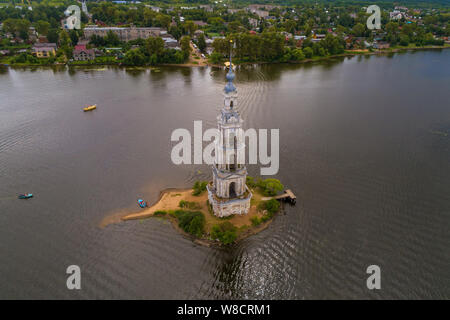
point(190, 212)
point(233, 205)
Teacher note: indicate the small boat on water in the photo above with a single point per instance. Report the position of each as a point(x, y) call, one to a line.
point(142, 203)
point(90, 108)
point(25, 196)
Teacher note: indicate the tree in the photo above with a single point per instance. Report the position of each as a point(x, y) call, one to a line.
point(308, 52)
point(358, 30)
point(178, 56)
point(64, 39)
point(52, 36)
point(154, 45)
point(23, 28)
point(216, 21)
point(215, 57)
point(270, 187)
point(112, 39)
point(289, 26)
point(134, 57)
point(164, 20)
point(201, 43)
point(404, 40)
point(332, 44)
point(346, 21)
point(9, 25)
point(272, 206)
point(175, 31)
point(73, 37)
point(225, 232)
point(199, 187)
point(191, 222)
point(97, 41)
point(18, 27)
point(234, 26)
point(190, 27)
point(65, 44)
point(42, 27)
point(186, 46)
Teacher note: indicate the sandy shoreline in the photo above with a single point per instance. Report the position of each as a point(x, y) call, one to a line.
point(168, 200)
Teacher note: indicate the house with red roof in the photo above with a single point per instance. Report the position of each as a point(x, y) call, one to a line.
point(81, 53)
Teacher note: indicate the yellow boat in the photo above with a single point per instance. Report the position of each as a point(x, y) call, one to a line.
point(90, 108)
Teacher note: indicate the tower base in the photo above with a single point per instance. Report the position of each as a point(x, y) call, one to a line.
point(226, 207)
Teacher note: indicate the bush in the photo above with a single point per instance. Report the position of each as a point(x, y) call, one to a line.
point(308, 52)
point(210, 208)
point(27, 58)
point(272, 206)
point(255, 221)
point(270, 187)
point(251, 182)
point(225, 232)
point(199, 187)
point(159, 213)
point(188, 204)
point(404, 40)
point(192, 222)
point(297, 55)
point(215, 58)
point(134, 57)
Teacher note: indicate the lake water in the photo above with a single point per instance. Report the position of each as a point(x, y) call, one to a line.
point(364, 144)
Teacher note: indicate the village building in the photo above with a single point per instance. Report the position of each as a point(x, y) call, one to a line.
point(199, 23)
point(44, 50)
point(260, 13)
point(262, 6)
point(154, 8)
point(395, 15)
point(81, 53)
point(381, 45)
point(171, 43)
point(233, 11)
point(253, 22)
point(228, 193)
point(318, 37)
point(126, 33)
point(206, 7)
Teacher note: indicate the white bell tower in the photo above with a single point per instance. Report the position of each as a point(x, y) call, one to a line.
point(228, 194)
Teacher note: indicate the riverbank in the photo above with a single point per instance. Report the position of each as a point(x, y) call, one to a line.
point(169, 202)
point(347, 53)
point(198, 61)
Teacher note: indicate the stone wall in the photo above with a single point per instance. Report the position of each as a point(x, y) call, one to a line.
point(228, 207)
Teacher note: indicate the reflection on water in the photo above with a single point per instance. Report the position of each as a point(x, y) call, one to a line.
point(359, 146)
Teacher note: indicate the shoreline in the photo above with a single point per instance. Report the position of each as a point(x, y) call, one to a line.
point(190, 64)
point(169, 199)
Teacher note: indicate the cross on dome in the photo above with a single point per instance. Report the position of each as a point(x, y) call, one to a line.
point(229, 87)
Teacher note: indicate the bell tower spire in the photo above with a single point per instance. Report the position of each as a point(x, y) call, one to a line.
point(229, 87)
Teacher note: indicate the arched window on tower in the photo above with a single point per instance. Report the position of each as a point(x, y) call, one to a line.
point(231, 104)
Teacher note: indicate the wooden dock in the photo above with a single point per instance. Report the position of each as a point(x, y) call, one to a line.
point(288, 196)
